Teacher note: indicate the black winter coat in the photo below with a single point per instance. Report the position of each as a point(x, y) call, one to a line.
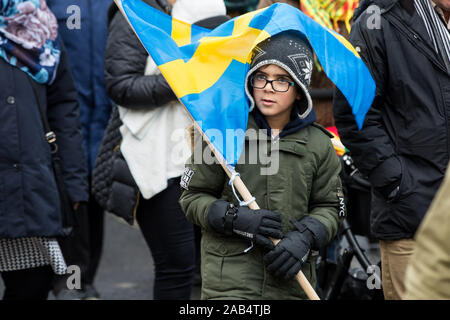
point(29, 200)
point(404, 144)
point(126, 84)
point(125, 61)
point(112, 183)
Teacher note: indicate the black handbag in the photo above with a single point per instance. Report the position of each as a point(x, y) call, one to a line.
point(67, 210)
point(113, 186)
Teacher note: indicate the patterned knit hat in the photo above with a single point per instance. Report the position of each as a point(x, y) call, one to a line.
point(291, 51)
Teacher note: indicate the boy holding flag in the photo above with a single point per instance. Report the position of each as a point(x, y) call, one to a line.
point(299, 201)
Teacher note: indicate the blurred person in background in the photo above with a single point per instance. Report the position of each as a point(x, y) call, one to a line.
point(144, 185)
point(83, 29)
point(238, 7)
point(37, 95)
point(403, 145)
point(266, 3)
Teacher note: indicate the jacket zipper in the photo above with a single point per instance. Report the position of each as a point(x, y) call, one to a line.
point(430, 57)
point(369, 53)
point(415, 39)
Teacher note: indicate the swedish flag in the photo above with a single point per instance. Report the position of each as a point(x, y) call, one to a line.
point(207, 68)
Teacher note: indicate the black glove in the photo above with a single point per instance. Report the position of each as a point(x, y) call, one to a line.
point(286, 259)
point(253, 225)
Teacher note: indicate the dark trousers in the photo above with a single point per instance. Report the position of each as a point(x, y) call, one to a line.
point(84, 247)
point(96, 230)
point(170, 237)
point(27, 284)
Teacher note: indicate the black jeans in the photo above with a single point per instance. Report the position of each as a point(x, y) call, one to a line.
point(28, 284)
point(170, 237)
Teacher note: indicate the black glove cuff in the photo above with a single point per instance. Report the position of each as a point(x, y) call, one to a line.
point(216, 215)
point(314, 227)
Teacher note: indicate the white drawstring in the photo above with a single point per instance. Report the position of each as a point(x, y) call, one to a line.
point(234, 174)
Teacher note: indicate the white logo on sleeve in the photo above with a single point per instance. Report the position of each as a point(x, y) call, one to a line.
point(186, 178)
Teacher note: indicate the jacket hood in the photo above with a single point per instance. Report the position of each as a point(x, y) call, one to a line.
point(294, 125)
point(194, 10)
point(385, 5)
point(363, 5)
point(208, 14)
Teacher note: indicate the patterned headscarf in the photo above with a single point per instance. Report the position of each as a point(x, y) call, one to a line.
point(29, 38)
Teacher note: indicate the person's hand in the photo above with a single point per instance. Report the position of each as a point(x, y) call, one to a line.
point(75, 206)
point(286, 259)
point(254, 225)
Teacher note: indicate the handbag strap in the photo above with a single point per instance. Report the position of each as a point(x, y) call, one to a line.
point(50, 136)
point(68, 218)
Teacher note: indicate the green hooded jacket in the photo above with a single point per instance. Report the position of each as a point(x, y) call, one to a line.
point(297, 176)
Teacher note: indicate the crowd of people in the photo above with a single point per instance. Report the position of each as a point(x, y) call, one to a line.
point(87, 121)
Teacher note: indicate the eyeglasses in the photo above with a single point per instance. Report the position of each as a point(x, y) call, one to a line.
point(260, 81)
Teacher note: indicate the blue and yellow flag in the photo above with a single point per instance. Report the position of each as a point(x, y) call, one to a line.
point(207, 68)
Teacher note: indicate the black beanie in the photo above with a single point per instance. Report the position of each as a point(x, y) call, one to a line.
point(291, 51)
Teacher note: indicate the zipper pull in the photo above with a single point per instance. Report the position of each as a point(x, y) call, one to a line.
point(249, 248)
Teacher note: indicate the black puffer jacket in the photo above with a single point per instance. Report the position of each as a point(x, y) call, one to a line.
point(404, 145)
point(125, 61)
point(112, 183)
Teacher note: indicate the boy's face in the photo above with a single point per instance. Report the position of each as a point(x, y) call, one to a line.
point(272, 103)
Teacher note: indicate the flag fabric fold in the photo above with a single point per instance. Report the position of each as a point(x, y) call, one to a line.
point(207, 68)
